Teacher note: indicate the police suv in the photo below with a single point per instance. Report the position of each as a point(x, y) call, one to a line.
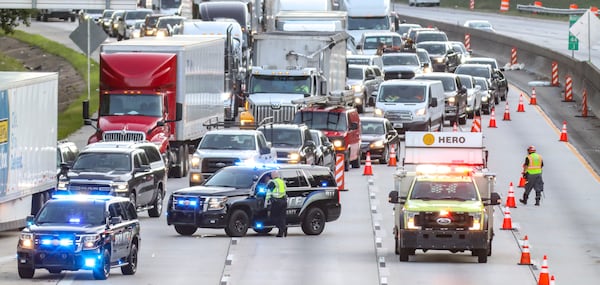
point(80, 232)
point(234, 199)
point(446, 201)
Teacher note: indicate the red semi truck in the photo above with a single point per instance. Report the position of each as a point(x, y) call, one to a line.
point(161, 91)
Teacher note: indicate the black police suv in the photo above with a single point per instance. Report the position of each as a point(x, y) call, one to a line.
point(234, 199)
point(80, 232)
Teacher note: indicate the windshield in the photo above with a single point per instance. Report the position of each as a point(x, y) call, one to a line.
point(481, 82)
point(473, 71)
point(168, 23)
point(232, 177)
point(228, 142)
point(102, 162)
point(433, 48)
point(129, 104)
point(401, 94)
point(282, 137)
point(355, 73)
point(423, 56)
point(448, 82)
point(466, 81)
point(136, 15)
point(372, 42)
point(107, 14)
point(372, 128)
point(73, 213)
point(432, 37)
point(170, 4)
point(459, 47)
point(400, 59)
point(444, 190)
point(369, 23)
point(490, 62)
point(331, 121)
point(280, 84)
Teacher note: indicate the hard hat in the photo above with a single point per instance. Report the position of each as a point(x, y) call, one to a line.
point(531, 148)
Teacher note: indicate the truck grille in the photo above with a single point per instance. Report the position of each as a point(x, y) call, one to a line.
point(121, 136)
point(399, 75)
point(211, 165)
point(455, 221)
point(280, 113)
point(396, 116)
point(187, 203)
point(88, 187)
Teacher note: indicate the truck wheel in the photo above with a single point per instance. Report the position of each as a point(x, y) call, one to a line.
point(54, 271)
point(177, 170)
point(102, 271)
point(238, 224)
point(314, 222)
point(26, 272)
point(132, 261)
point(185, 230)
point(404, 253)
point(157, 206)
point(45, 18)
point(481, 255)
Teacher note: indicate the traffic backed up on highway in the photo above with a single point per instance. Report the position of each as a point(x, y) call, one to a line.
point(233, 199)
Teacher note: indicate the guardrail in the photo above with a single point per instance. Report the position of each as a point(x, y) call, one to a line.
point(551, 11)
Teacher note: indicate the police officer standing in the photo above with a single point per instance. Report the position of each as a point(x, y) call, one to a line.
point(276, 195)
point(532, 171)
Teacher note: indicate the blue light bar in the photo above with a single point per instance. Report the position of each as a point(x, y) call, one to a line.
point(79, 196)
point(324, 184)
point(256, 164)
point(187, 202)
point(258, 225)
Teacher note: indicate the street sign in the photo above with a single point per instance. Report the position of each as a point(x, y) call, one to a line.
point(80, 36)
point(573, 41)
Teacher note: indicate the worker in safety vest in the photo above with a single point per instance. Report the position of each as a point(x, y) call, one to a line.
point(277, 198)
point(532, 171)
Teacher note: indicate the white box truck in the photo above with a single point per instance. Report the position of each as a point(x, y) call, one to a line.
point(28, 137)
point(368, 16)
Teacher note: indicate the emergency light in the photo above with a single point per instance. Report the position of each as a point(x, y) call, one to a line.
point(430, 169)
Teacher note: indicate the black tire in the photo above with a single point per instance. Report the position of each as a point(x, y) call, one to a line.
point(462, 120)
point(185, 230)
point(45, 18)
point(482, 255)
point(404, 253)
point(185, 164)
point(356, 163)
point(263, 231)
point(132, 261)
point(384, 156)
point(102, 272)
point(26, 272)
point(346, 162)
point(54, 271)
point(238, 224)
point(157, 206)
point(314, 222)
point(360, 109)
point(177, 170)
point(396, 244)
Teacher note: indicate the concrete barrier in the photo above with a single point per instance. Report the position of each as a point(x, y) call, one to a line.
point(536, 59)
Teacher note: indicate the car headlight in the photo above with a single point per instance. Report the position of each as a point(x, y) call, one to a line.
point(409, 220)
point(421, 112)
point(358, 100)
point(439, 60)
point(338, 144)
point(90, 241)
point(136, 33)
point(26, 240)
point(376, 144)
point(195, 163)
point(120, 187)
point(484, 98)
point(378, 112)
point(451, 100)
point(294, 156)
point(357, 88)
point(216, 203)
point(476, 226)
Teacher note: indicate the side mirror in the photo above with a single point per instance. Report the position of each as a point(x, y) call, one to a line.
point(143, 168)
point(116, 220)
point(86, 110)
point(29, 220)
point(393, 197)
point(310, 144)
point(495, 199)
point(370, 77)
point(265, 150)
point(433, 102)
point(353, 126)
point(358, 46)
point(463, 89)
point(392, 133)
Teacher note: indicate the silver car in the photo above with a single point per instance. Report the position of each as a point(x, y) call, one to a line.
point(473, 95)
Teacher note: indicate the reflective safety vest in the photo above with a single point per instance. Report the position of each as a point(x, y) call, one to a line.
point(278, 190)
point(535, 163)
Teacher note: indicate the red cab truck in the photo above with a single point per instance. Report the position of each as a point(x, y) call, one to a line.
point(161, 91)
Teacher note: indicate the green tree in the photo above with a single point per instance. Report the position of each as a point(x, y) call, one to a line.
point(10, 18)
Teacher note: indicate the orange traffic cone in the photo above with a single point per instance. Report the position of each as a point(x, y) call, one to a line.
point(510, 199)
point(533, 100)
point(522, 182)
point(368, 168)
point(507, 223)
point(544, 279)
point(525, 255)
point(521, 107)
point(392, 160)
point(563, 132)
point(492, 119)
point(476, 127)
point(454, 127)
point(506, 113)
